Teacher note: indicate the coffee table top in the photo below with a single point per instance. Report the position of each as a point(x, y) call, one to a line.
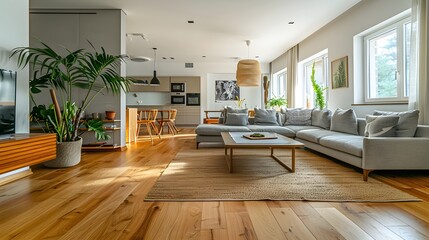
point(236, 139)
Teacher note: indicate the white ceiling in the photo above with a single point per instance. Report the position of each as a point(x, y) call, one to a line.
point(221, 26)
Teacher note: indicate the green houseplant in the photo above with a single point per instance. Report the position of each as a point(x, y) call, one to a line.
point(318, 90)
point(277, 102)
point(93, 72)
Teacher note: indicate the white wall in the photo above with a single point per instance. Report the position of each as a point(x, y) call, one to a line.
point(14, 26)
point(208, 72)
point(337, 37)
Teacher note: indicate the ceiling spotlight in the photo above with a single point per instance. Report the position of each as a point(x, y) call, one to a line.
point(291, 23)
point(172, 58)
point(204, 56)
point(191, 21)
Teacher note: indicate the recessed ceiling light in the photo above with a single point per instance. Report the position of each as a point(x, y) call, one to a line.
point(172, 58)
point(256, 56)
point(291, 23)
point(204, 56)
point(164, 58)
point(191, 21)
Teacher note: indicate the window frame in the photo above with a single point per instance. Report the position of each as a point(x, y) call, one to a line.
point(275, 77)
point(323, 56)
point(399, 27)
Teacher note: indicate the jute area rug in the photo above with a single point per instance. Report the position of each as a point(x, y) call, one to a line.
point(202, 175)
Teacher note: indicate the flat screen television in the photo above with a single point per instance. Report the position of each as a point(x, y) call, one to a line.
point(7, 102)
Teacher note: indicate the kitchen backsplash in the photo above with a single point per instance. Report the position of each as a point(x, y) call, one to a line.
point(148, 98)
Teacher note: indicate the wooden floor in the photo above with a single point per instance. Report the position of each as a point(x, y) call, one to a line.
point(102, 198)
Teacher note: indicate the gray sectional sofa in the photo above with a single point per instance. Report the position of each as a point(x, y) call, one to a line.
point(366, 152)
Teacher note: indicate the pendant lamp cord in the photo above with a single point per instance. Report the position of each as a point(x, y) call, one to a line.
point(154, 59)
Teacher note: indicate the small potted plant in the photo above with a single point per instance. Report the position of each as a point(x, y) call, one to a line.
point(240, 102)
point(277, 102)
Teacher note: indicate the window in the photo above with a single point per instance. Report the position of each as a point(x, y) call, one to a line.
point(320, 61)
point(386, 61)
point(278, 84)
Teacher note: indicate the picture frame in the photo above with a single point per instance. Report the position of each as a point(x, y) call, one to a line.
point(226, 90)
point(339, 73)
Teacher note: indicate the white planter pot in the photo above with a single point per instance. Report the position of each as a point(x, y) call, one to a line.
point(68, 155)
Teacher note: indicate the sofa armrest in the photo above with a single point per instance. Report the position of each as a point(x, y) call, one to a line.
point(395, 153)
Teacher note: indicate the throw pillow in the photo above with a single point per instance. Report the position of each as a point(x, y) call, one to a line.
point(407, 124)
point(298, 117)
point(265, 117)
point(344, 121)
point(237, 119)
point(321, 118)
point(381, 126)
point(282, 114)
point(232, 110)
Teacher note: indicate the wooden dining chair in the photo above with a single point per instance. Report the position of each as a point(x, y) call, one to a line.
point(169, 121)
point(148, 118)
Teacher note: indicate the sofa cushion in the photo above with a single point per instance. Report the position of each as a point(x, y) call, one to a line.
point(351, 144)
point(407, 123)
point(297, 128)
point(216, 129)
point(237, 119)
point(314, 135)
point(344, 121)
point(266, 117)
point(321, 118)
point(298, 117)
point(229, 109)
point(281, 116)
point(277, 129)
point(381, 126)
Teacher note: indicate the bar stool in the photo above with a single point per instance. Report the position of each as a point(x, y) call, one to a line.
point(169, 121)
point(148, 118)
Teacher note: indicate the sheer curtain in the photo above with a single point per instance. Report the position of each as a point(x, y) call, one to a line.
point(419, 64)
point(292, 69)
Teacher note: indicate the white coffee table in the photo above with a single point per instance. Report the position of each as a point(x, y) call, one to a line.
point(235, 140)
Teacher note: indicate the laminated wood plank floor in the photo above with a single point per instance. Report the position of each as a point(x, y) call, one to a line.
point(103, 198)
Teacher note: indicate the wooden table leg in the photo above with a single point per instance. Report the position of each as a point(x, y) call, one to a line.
point(293, 159)
point(229, 158)
point(290, 169)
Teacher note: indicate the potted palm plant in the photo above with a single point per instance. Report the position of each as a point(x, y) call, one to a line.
point(92, 71)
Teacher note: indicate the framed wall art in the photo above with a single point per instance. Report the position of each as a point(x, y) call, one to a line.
point(339, 73)
point(226, 90)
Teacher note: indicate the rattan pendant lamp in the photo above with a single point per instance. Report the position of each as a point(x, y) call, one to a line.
point(248, 70)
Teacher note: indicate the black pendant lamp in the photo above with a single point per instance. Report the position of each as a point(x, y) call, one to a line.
point(155, 81)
